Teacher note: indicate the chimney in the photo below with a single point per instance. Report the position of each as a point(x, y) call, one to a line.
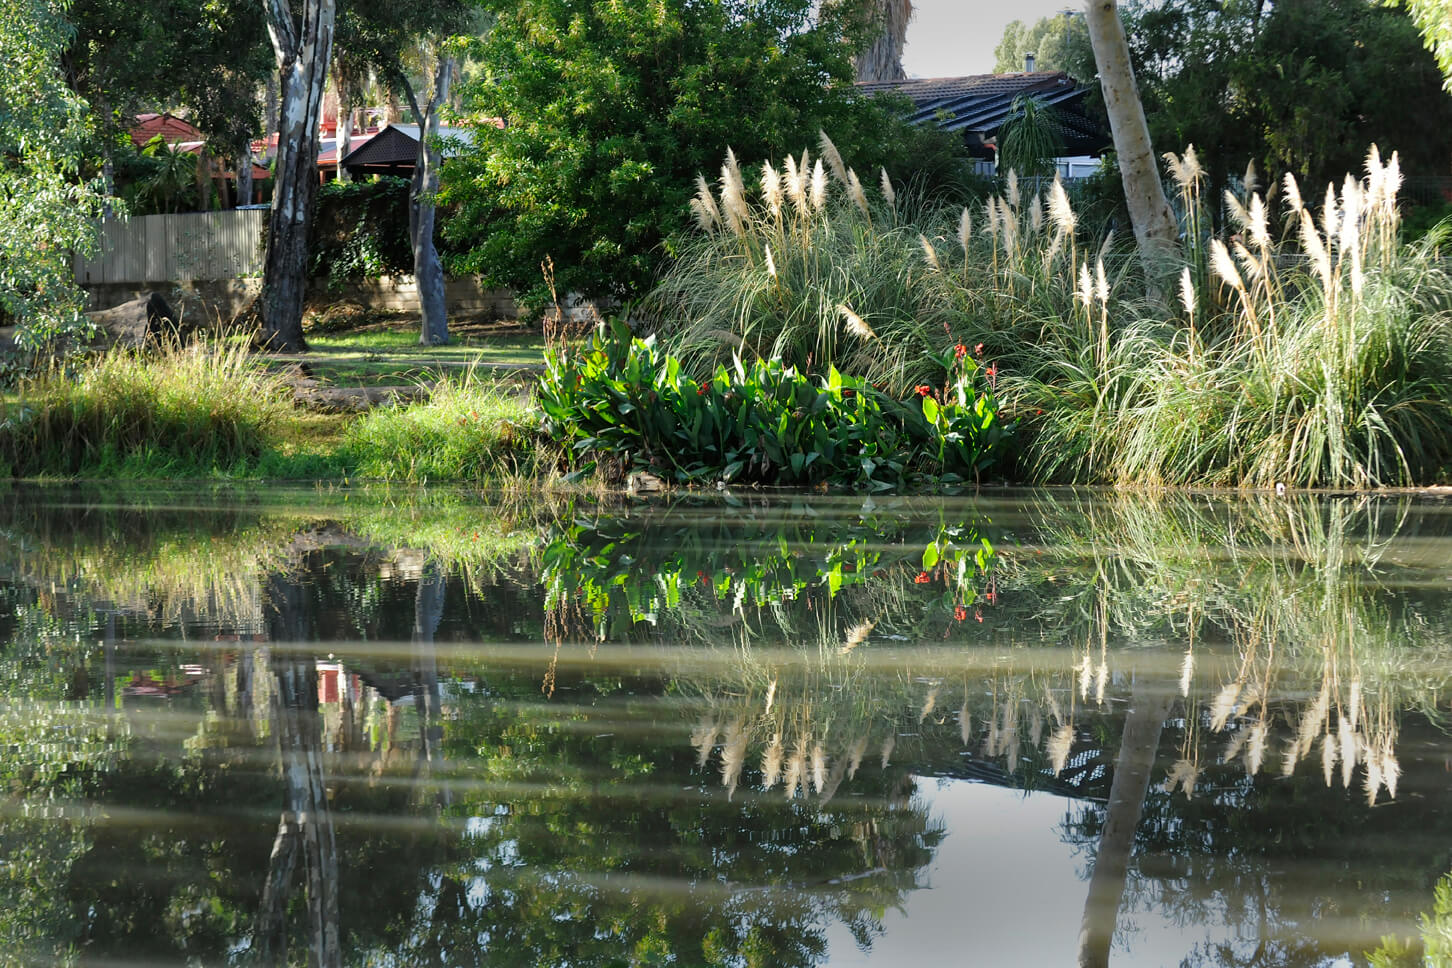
point(1028, 62)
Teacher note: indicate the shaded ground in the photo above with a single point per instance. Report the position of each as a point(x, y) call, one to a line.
point(386, 353)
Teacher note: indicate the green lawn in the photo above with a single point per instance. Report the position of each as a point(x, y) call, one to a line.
point(390, 355)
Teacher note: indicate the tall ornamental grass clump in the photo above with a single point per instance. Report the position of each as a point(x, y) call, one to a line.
point(181, 413)
point(1316, 352)
point(811, 266)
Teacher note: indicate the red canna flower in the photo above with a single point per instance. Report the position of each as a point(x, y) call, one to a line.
point(923, 391)
point(960, 351)
point(922, 578)
point(992, 370)
point(978, 350)
point(701, 390)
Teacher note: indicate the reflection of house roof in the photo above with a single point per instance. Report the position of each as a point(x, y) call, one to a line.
point(979, 104)
point(396, 147)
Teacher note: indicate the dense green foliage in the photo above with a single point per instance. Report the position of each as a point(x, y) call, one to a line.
point(1299, 87)
point(1059, 42)
point(360, 230)
point(767, 422)
point(46, 207)
point(612, 109)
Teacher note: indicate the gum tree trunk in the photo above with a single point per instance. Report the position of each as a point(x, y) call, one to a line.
point(303, 48)
point(428, 273)
point(244, 172)
point(1149, 211)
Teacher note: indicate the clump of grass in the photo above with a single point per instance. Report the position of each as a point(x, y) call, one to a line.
point(182, 413)
point(466, 431)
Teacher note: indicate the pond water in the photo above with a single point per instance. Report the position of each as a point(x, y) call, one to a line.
point(261, 726)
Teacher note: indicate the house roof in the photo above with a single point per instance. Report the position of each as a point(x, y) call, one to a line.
point(977, 105)
point(396, 146)
point(171, 128)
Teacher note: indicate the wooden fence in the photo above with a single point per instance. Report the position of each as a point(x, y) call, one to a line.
point(194, 246)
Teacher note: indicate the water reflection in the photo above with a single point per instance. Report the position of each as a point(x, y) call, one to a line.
point(709, 732)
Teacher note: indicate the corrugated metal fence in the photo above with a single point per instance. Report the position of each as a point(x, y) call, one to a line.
point(176, 248)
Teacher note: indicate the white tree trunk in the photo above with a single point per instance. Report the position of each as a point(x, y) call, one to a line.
point(1155, 230)
point(345, 129)
point(303, 51)
point(244, 172)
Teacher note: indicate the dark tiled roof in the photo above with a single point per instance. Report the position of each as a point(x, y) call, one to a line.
point(397, 145)
point(977, 105)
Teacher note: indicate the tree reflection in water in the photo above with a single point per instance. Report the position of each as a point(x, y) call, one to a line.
point(739, 706)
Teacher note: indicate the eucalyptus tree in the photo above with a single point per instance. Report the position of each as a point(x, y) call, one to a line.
point(302, 46)
point(1149, 210)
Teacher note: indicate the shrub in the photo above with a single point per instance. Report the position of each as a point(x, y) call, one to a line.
point(184, 413)
point(766, 422)
point(360, 230)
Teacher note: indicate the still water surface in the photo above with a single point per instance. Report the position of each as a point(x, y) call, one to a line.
point(427, 728)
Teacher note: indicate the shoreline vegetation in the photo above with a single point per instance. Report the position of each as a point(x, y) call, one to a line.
point(812, 331)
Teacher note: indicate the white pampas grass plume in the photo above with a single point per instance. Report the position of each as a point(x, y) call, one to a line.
point(1101, 679)
point(1330, 215)
point(888, 192)
point(965, 723)
point(1290, 757)
point(733, 194)
point(1187, 668)
point(1101, 283)
point(858, 327)
point(771, 188)
point(796, 184)
point(965, 230)
point(1061, 741)
point(887, 746)
point(1258, 226)
point(771, 763)
point(1315, 248)
point(1393, 183)
point(1346, 740)
point(708, 216)
point(1252, 177)
point(819, 767)
point(1086, 675)
point(1237, 211)
point(1061, 213)
point(1391, 770)
point(1187, 295)
point(1223, 265)
point(1183, 775)
point(929, 253)
point(1013, 196)
point(819, 186)
point(1233, 748)
point(1085, 292)
point(770, 696)
point(770, 263)
point(1292, 191)
point(833, 156)
point(1036, 214)
point(1328, 757)
point(854, 189)
point(1177, 169)
point(1353, 702)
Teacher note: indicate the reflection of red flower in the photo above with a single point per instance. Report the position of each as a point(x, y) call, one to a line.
point(960, 613)
point(978, 614)
point(922, 578)
point(702, 576)
point(992, 597)
point(922, 391)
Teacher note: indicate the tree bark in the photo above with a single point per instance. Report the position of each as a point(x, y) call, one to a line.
point(428, 273)
point(244, 172)
point(303, 49)
point(1154, 225)
point(1137, 748)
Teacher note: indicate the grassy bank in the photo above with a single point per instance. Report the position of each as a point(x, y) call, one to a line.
point(217, 412)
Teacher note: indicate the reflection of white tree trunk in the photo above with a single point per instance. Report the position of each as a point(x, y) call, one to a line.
point(428, 610)
point(1138, 745)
